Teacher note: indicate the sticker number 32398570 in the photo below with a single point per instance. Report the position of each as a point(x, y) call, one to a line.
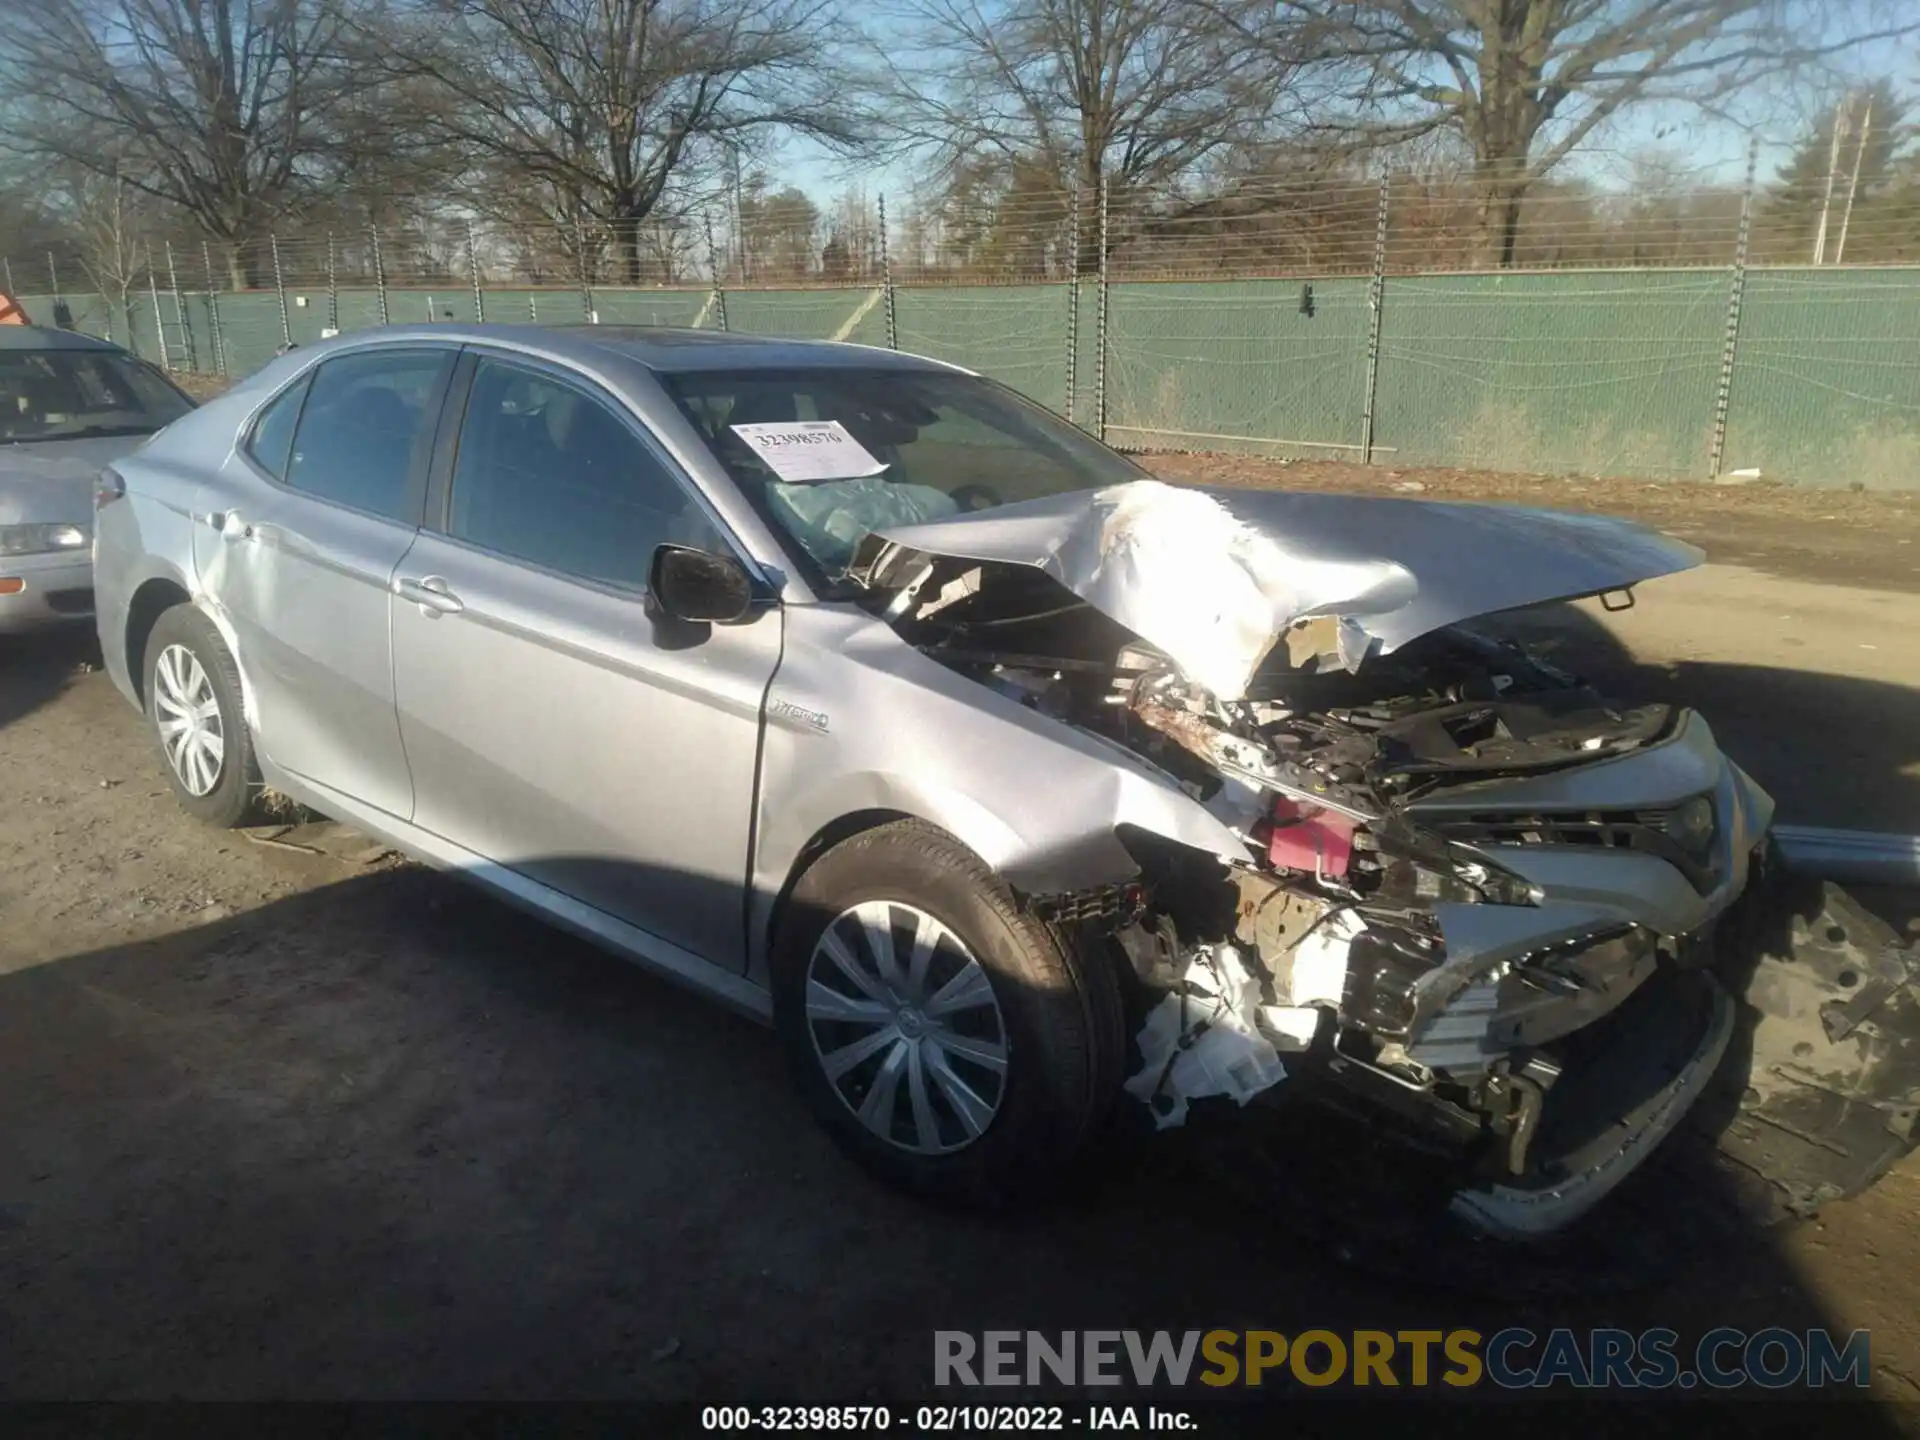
point(803, 450)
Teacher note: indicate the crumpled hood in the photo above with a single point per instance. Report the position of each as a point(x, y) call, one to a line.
point(51, 481)
point(1214, 577)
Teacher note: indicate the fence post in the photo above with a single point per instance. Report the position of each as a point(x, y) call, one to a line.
point(333, 287)
point(586, 286)
point(280, 289)
point(1100, 326)
point(379, 272)
point(53, 279)
point(12, 294)
point(1376, 295)
point(473, 266)
point(886, 278)
point(1073, 302)
point(180, 314)
point(713, 264)
point(159, 323)
point(1723, 391)
point(213, 312)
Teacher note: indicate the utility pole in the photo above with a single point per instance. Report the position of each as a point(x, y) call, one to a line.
point(1853, 183)
point(1842, 116)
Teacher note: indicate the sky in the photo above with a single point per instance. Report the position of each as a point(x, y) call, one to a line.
point(1711, 151)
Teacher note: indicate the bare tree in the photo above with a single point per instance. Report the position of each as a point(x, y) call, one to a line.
point(104, 219)
point(1129, 93)
point(592, 112)
point(220, 107)
point(778, 231)
point(1525, 82)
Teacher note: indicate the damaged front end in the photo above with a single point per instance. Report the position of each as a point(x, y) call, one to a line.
point(1477, 900)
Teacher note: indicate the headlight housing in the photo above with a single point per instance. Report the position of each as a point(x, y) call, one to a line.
point(1691, 825)
point(44, 539)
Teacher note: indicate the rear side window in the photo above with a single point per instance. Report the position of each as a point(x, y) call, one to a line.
point(272, 439)
point(364, 432)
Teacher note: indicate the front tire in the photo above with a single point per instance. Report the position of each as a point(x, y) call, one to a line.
point(192, 688)
point(951, 1042)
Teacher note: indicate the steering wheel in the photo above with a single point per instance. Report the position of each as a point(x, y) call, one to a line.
point(975, 497)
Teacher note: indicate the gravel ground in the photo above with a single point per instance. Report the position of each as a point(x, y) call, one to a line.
point(287, 1124)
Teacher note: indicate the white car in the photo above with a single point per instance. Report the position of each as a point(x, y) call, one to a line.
point(69, 404)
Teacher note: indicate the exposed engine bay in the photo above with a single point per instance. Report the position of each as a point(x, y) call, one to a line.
point(1374, 793)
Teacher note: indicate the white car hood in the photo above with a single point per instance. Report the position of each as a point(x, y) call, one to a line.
point(1214, 577)
point(49, 482)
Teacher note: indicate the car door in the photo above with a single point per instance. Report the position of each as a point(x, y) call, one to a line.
point(296, 540)
point(551, 724)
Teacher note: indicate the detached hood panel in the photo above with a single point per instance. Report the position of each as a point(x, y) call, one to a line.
point(1213, 577)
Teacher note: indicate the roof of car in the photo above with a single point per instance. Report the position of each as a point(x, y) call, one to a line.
point(661, 348)
point(41, 337)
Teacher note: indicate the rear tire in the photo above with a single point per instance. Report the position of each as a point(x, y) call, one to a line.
point(976, 1075)
point(192, 689)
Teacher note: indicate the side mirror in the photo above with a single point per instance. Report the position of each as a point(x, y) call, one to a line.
point(698, 586)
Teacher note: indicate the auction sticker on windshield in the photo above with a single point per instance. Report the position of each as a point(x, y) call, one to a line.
point(802, 450)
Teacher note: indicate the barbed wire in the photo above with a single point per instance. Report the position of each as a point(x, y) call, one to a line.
point(1257, 228)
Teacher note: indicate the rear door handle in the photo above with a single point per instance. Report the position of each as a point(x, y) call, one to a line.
point(431, 593)
point(229, 524)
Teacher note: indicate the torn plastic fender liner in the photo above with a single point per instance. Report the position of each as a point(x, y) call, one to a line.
point(1214, 1037)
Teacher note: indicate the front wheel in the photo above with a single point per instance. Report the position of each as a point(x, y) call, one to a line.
point(954, 1044)
point(194, 705)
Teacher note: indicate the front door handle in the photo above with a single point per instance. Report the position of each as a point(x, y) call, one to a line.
point(229, 524)
point(431, 593)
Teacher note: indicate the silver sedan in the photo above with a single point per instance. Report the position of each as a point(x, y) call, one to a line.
point(1014, 787)
point(69, 404)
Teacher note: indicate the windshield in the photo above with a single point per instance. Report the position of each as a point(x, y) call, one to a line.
point(911, 447)
point(79, 394)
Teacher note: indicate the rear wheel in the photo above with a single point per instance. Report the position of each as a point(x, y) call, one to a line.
point(193, 703)
point(950, 1041)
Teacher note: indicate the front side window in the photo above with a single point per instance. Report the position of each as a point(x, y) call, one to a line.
point(937, 445)
point(549, 474)
point(365, 428)
point(81, 395)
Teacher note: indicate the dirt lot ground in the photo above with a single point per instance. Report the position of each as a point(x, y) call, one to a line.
point(279, 1123)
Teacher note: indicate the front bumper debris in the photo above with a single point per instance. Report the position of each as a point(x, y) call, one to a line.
point(1645, 1068)
point(1825, 1096)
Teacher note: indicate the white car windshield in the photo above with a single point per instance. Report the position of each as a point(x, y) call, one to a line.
point(79, 394)
point(910, 446)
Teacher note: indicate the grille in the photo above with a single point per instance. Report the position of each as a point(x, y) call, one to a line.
point(1648, 831)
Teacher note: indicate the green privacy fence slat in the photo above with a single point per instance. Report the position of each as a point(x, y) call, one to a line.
point(1826, 384)
point(1599, 372)
point(1595, 371)
point(1190, 364)
point(1016, 334)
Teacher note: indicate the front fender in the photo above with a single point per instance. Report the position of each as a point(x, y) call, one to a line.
point(860, 721)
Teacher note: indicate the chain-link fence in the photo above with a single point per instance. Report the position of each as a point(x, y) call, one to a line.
point(1685, 333)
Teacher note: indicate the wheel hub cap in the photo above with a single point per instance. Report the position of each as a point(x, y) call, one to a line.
point(906, 1027)
point(187, 712)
